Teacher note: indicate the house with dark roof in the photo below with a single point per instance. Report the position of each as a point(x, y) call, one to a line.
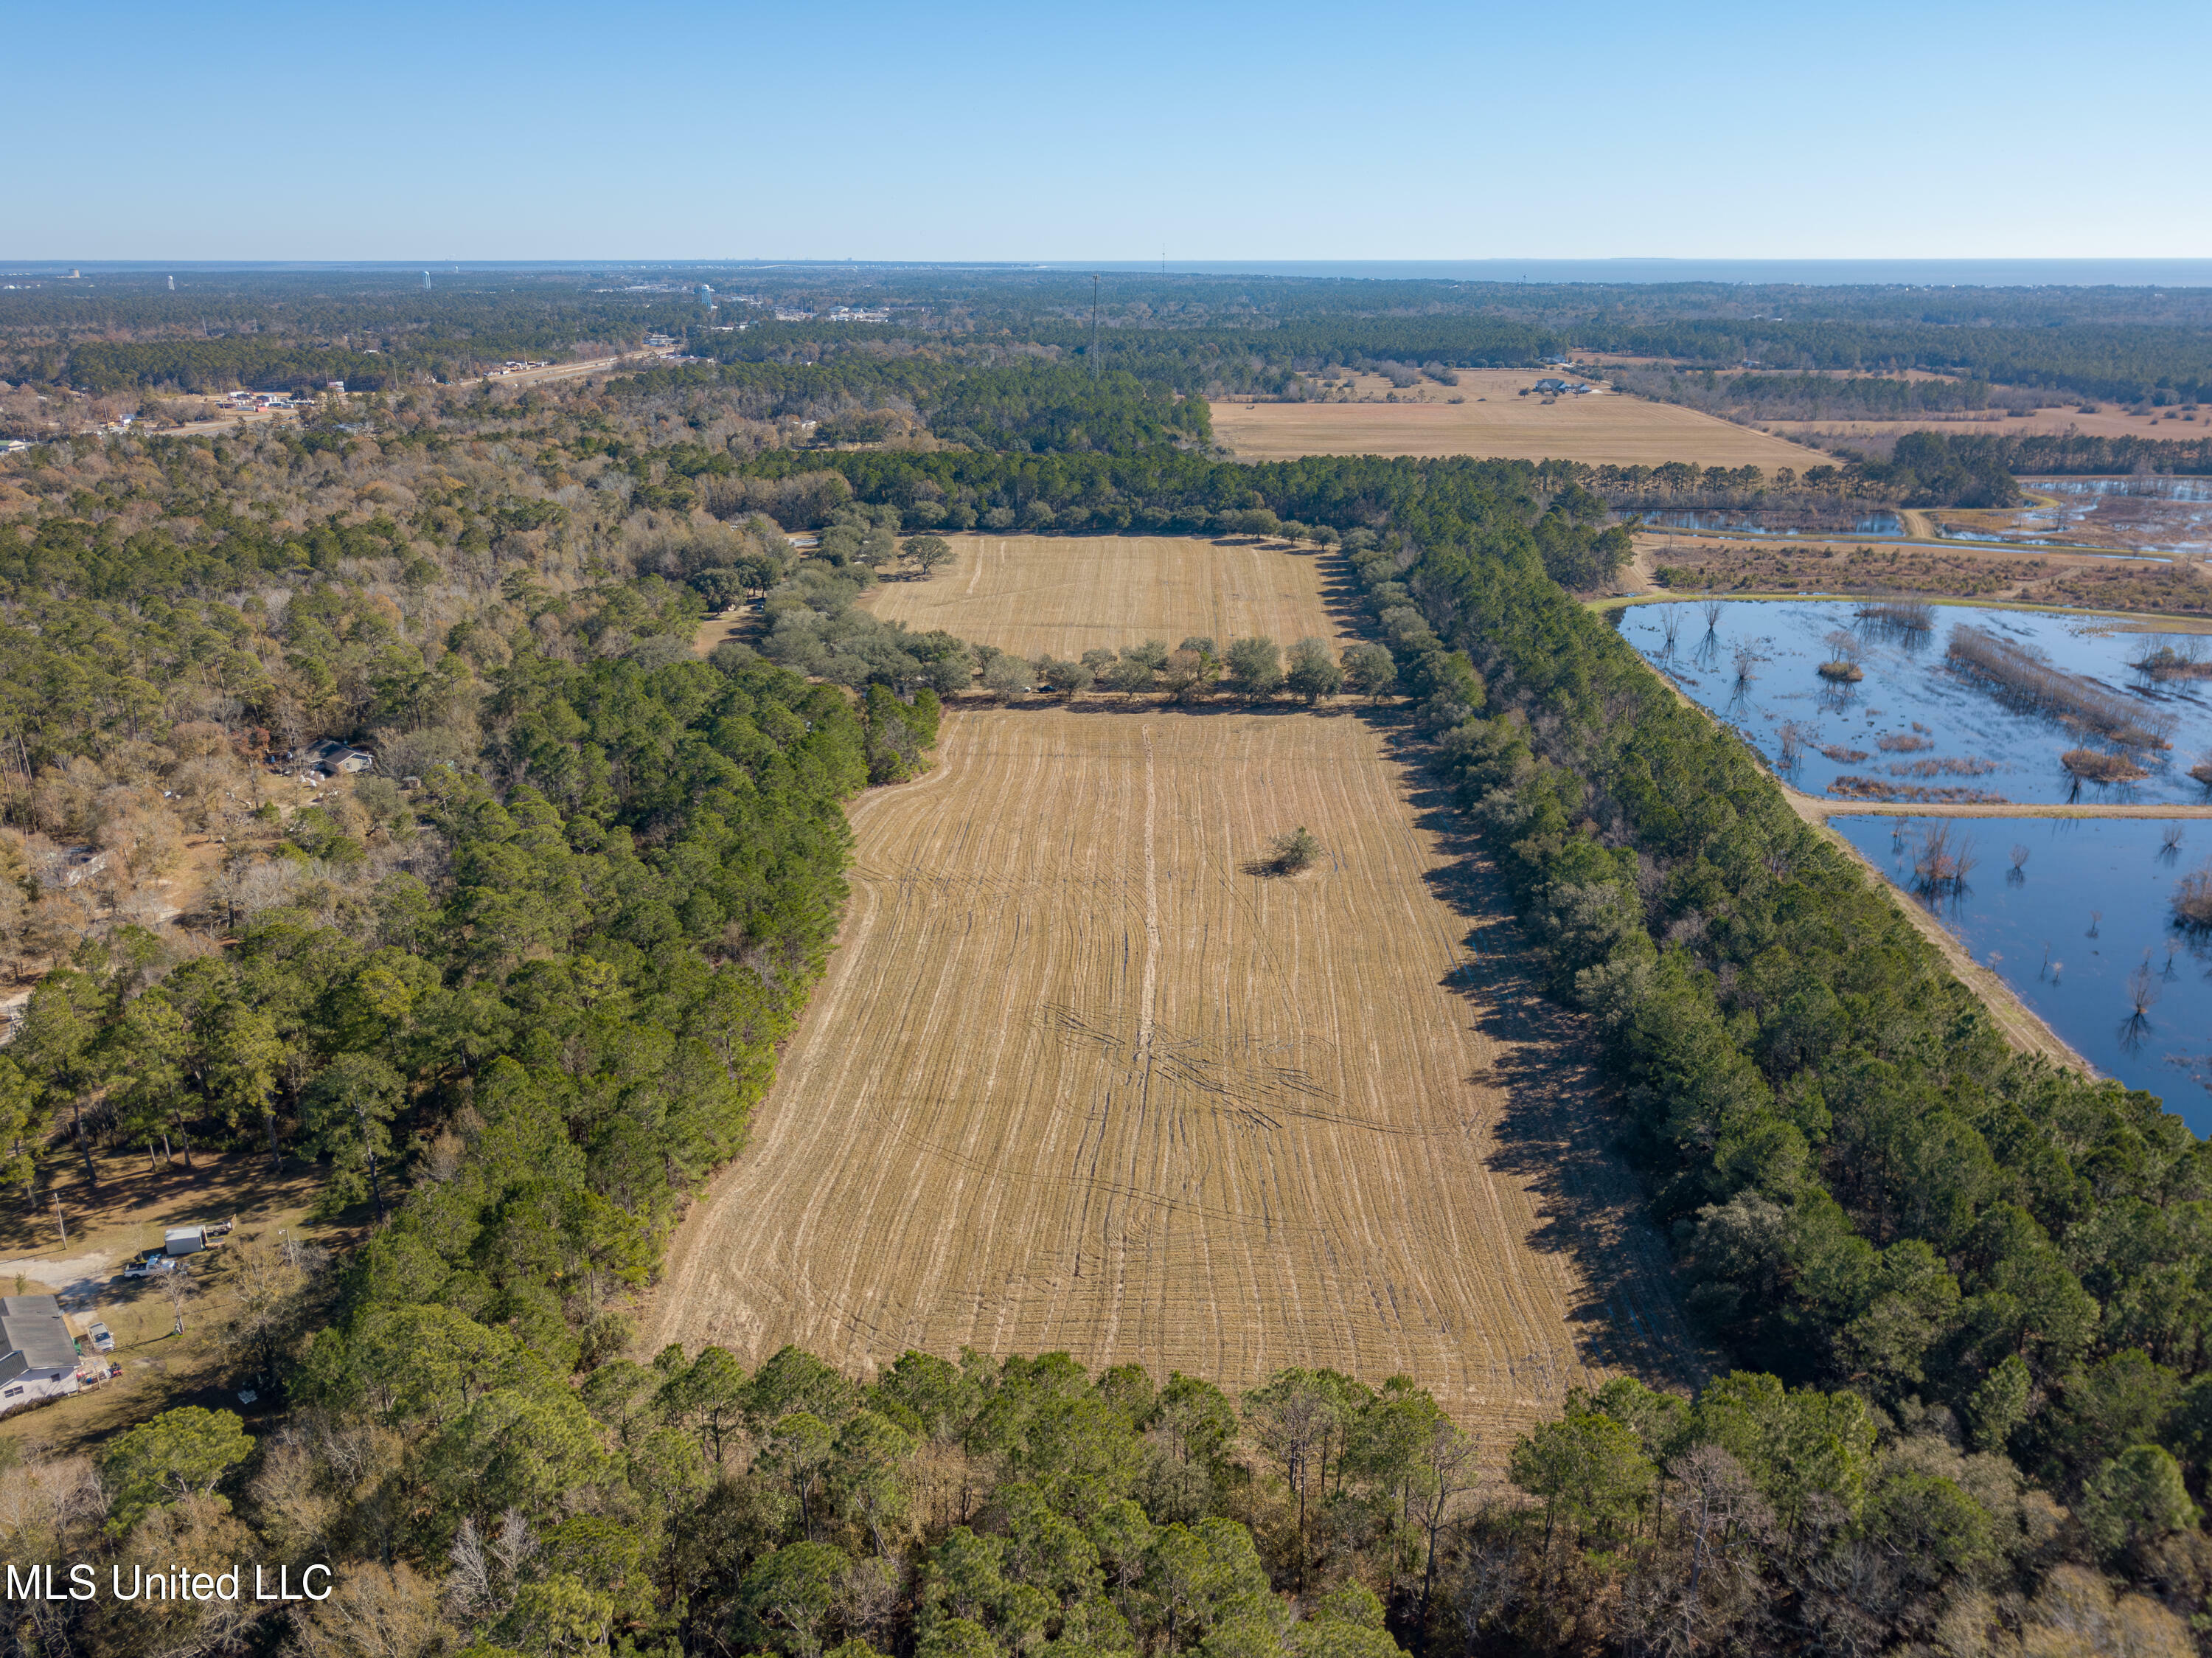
point(327, 758)
point(37, 1355)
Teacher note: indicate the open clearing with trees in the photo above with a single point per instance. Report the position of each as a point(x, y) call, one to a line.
point(1063, 595)
point(1083, 1076)
point(1494, 421)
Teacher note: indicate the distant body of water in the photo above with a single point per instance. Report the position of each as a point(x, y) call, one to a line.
point(1815, 273)
point(1751, 521)
point(2090, 906)
point(1912, 731)
point(1812, 273)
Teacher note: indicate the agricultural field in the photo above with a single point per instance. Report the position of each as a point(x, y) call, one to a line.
point(1064, 594)
point(1082, 1077)
point(1492, 420)
point(2109, 420)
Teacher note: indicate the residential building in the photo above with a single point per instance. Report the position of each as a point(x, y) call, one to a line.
point(38, 1356)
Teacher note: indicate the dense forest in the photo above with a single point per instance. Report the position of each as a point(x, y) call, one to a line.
point(110, 331)
point(513, 996)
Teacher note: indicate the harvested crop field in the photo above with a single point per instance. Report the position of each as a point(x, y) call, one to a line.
point(1494, 421)
point(1078, 1078)
point(1064, 594)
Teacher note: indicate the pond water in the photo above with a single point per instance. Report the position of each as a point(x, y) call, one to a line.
point(2166, 514)
point(1751, 521)
point(2089, 906)
point(1912, 730)
point(2157, 488)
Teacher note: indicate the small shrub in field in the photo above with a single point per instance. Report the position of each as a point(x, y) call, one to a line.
point(1289, 854)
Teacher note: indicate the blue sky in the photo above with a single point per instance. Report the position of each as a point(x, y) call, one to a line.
point(1001, 132)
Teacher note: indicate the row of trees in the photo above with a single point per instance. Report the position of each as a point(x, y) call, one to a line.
point(1257, 669)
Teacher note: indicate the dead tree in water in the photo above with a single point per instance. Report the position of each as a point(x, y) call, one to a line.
point(2192, 901)
point(1946, 859)
point(1906, 615)
point(2143, 990)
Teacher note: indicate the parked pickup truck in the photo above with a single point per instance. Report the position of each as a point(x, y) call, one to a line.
point(150, 1264)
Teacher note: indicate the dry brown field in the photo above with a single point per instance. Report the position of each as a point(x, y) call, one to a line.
point(1034, 593)
point(1495, 422)
point(2110, 421)
point(1080, 1078)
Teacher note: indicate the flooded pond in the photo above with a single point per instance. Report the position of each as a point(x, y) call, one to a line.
point(1916, 727)
point(2075, 915)
point(1754, 522)
point(2161, 514)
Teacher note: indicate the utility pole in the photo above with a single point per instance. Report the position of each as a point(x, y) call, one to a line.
point(1094, 324)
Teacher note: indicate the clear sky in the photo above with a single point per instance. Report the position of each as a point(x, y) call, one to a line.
point(1006, 131)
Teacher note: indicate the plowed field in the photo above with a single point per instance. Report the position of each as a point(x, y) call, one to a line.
point(1495, 422)
point(1078, 1078)
point(1032, 594)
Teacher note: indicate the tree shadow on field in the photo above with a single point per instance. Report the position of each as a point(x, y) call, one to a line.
point(1556, 1126)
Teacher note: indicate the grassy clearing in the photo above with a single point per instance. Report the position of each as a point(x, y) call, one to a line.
point(1493, 420)
point(1065, 594)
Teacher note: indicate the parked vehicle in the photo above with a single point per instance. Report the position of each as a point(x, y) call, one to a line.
point(151, 1264)
point(103, 1338)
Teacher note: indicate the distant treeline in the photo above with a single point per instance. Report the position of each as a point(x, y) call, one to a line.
point(111, 337)
point(1805, 396)
point(2075, 453)
point(1209, 332)
point(2120, 364)
point(1031, 405)
point(220, 365)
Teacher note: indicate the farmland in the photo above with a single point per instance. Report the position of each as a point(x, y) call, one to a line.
point(1493, 420)
point(1081, 1077)
point(1064, 595)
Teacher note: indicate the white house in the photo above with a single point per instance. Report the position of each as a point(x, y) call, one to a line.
point(38, 1357)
